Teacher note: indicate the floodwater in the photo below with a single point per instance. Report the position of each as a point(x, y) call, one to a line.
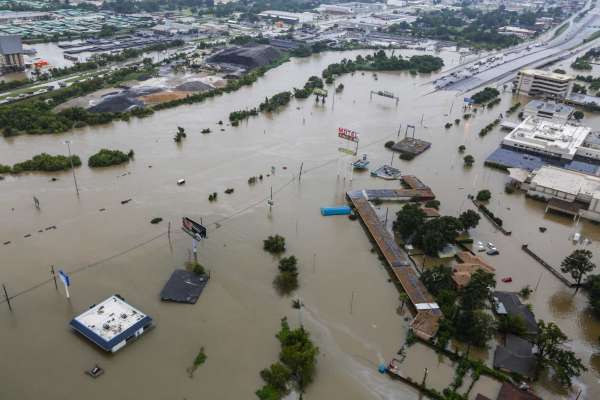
point(351, 307)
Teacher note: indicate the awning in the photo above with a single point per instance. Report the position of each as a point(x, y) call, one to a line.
point(518, 174)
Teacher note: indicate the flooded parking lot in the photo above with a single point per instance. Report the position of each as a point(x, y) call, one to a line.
point(351, 307)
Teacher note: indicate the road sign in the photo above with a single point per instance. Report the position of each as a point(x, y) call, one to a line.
point(65, 280)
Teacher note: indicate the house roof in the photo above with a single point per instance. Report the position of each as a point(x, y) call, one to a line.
point(509, 391)
point(516, 356)
point(461, 272)
point(10, 45)
point(510, 302)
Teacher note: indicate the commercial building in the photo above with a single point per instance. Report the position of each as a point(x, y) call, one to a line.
point(566, 191)
point(288, 17)
point(11, 53)
point(551, 139)
point(111, 324)
point(536, 82)
point(516, 31)
point(548, 110)
point(19, 16)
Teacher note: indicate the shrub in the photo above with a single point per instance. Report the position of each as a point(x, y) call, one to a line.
point(47, 162)
point(156, 220)
point(274, 244)
point(462, 148)
point(106, 158)
point(448, 125)
point(469, 160)
point(389, 144)
point(484, 195)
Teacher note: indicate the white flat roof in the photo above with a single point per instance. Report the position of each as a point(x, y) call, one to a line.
point(544, 135)
point(110, 318)
point(547, 74)
point(566, 181)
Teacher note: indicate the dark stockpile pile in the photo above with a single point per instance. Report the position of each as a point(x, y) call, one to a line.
point(247, 57)
point(193, 86)
point(117, 103)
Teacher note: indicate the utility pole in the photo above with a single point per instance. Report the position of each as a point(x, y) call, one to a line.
point(53, 275)
point(300, 174)
point(6, 297)
point(68, 143)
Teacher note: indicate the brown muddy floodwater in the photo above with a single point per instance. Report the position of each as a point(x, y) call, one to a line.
point(239, 312)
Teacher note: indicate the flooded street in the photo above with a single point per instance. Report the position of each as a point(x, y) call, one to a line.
point(351, 307)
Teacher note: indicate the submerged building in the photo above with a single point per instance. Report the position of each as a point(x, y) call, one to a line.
point(111, 324)
point(553, 139)
point(566, 191)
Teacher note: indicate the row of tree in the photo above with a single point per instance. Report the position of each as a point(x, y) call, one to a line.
point(380, 61)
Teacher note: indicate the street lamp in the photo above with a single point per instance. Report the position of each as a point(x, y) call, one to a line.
point(68, 143)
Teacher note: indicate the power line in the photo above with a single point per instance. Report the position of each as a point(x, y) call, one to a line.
point(152, 239)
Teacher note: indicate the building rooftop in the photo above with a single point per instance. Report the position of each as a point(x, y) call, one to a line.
point(549, 107)
point(515, 356)
point(566, 181)
point(110, 322)
point(508, 391)
point(10, 45)
point(543, 135)
point(508, 303)
point(547, 74)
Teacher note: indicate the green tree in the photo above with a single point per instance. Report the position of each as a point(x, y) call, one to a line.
point(276, 378)
point(578, 264)
point(578, 115)
point(435, 234)
point(478, 291)
point(592, 286)
point(514, 324)
point(408, 220)
point(437, 279)
point(469, 219)
point(287, 280)
point(298, 353)
point(462, 148)
point(475, 327)
point(551, 353)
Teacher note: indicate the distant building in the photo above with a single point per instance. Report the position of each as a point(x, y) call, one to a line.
point(536, 82)
point(288, 17)
point(548, 110)
point(559, 141)
point(516, 31)
point(11, 53)
point(7, 17)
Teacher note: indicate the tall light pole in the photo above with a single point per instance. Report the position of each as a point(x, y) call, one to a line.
point(68, 143)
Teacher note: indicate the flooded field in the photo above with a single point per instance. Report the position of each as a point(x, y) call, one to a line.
point(351, 307)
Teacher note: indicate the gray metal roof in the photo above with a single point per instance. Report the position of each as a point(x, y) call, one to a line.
point(10, 45)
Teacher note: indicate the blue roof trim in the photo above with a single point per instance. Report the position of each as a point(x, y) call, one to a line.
point(88, 333)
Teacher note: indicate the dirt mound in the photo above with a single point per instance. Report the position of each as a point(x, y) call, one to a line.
point(162, 97)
